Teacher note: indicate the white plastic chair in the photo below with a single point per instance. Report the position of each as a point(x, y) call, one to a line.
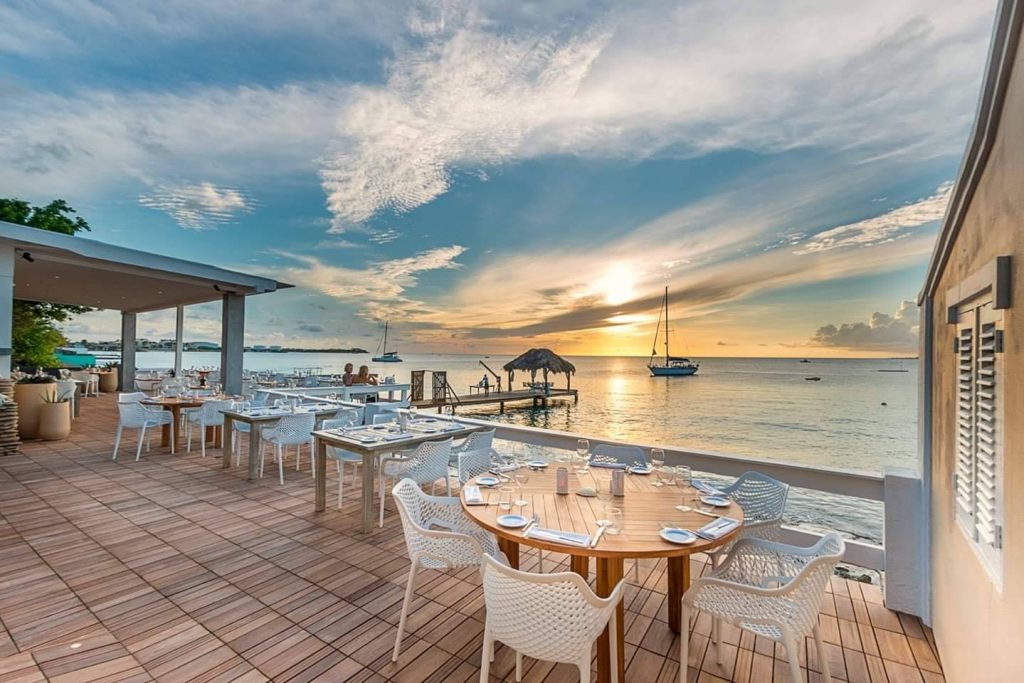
point(131, 397)
point(474, 442)
point(553, 617)
point(350, 413)
point(66, 389)
point(134, 415)
point(623, 455)
point(208, 415)
point(385, 417)
point(290, 430)
point(763, 500)
point(425, 464)
point(474, 463)
point(769, 589)
point(341, 456)
point(91, 386)
point(438, 535)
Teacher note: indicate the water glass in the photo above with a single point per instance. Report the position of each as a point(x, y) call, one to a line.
point(506, 496)
point(658, 463)
point(616, 520)
point(684, 475)
point(583, 450)
point(522, 476)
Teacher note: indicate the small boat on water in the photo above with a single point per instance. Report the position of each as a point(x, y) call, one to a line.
point(672, 366)
point(813, 379)
point(386, 356)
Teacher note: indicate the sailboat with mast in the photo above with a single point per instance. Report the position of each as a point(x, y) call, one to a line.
point(672, 366)
point(386, 356)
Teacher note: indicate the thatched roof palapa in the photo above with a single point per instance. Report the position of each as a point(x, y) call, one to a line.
point(545, 360)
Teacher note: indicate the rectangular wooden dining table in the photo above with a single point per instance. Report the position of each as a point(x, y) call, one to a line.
point(369, 452)
point(257, 419)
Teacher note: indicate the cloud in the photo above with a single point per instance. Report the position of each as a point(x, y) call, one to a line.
point(198, 207)
point(873, 80)
point(379, 289)
point(889, 226)
point(882, 332)
point(310, 327)
point(385, 236)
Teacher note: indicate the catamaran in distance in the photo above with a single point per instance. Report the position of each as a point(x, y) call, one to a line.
point(673, 366)
point(386, 356)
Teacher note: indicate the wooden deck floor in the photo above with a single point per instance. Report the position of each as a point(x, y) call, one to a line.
point(175, 570)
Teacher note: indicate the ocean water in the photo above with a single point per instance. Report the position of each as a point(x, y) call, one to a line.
point(855, 417)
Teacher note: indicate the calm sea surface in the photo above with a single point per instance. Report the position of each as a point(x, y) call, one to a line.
point(747, 406)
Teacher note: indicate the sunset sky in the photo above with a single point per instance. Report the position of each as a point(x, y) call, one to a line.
point(494, 175)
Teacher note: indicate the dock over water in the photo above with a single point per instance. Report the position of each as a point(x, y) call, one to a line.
point(538, 399)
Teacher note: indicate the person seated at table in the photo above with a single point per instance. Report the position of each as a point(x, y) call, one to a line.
point(348, 377)
point(364, 376)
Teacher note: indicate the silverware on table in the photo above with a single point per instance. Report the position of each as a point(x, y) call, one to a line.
point(707, 514)
point(597, 536)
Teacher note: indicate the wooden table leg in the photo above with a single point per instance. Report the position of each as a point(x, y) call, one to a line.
point(165, 435)
point(368, 485)
point(580, 564)
point(228, 444)
point(678, 583)
point(511, 550)
point(609, 573)
point(320, 476)
point(176, 416)
point(254, 450)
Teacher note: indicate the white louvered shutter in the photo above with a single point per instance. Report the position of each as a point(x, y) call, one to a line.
point(963, 476)
point(988, 465)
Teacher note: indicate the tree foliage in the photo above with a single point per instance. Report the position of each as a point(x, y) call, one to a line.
point(34, 335)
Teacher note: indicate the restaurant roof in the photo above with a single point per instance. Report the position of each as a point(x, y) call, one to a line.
point(66, 269)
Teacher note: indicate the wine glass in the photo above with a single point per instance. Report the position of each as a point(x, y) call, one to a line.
point(506, 494)
point(603, 488)
point(658, 462)
point(448, 410)
point(522, 477)
point(583, 450)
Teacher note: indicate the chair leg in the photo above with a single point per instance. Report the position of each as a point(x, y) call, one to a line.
point(280, 464)
point(263, 450)
point(405, 609)
point(298, 457)
point(584, 666)
point(188, 436)
point(341, 481)
point(381, 478)
point(540, 560)
point(719, 646)
point(117, 441)
point(794, 659)
point(202, 438)
point(684, 642)
point(171, 431)
point(636, 570)
point(519, 666)
point(613, 646)
point(142, 437)
point(822, 656)
point(486, 655)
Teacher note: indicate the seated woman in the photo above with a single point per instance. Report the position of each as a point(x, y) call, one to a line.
point(364, 376)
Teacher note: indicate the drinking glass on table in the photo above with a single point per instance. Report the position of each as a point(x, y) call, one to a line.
point(684, 476)
point(603, 488)
point(583, 451)
point(506, 496)
point(448, 411)
point(658, 463)
point(616, 520)
point(522, 477)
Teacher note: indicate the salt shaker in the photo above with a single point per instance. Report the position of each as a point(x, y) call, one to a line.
point(562, 481)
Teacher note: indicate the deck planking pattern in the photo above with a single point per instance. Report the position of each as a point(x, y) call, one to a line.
point(172, 569)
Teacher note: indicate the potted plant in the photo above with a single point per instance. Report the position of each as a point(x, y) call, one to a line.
point(54, 417)
point(30, 393)
point(108, 378)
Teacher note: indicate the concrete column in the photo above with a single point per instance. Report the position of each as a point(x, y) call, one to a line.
point(7, 257)
point(232, 343)
point(127, 379)
point(179, 339)
point(904, 529)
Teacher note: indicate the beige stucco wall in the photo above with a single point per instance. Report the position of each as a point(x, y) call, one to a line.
point(979, 628)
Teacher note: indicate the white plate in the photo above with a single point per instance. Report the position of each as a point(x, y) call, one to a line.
point(716, 501)
point(512, 521)
point(640, 470)
point(488, 481)
point(678, 536)
point(537, 464)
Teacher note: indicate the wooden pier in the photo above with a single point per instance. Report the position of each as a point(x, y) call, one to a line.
point(539, 399)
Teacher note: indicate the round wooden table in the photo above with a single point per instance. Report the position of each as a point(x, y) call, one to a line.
point(174, 405)
point(644, 508)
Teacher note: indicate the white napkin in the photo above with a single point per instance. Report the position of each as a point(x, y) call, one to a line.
point(706, 488)
point(555, 536)
point(714, 530)
point(473, 495)
point(609, 465)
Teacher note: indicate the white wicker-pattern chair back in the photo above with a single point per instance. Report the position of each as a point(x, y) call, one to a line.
point(131, 397)
point(66, 389)
point(438, 547)
point(554, 617)
point(353, 415)
point(292, 430)
point(474, 463)
point(623, 455)
point(385, 417)
point(477, 441)
point(210, 414)
point(425, 464)
point(761, 497)
point(133, 414)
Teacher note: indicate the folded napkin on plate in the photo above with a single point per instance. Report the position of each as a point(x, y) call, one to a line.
point(714, 530)
point(555, 536)
point(609, 465)
point(706, 488)
point(473, 496)
point(396, 437)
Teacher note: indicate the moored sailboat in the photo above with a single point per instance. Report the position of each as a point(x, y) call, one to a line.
point(386, 356)
point(672, 366)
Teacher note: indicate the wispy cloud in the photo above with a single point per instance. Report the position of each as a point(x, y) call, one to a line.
point(198, 207)
point(885, 80)
point(892, 225)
